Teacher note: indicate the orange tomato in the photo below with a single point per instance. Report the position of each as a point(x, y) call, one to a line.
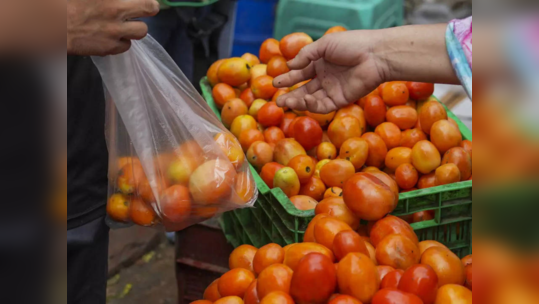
point(425, 157)
point(343, 299)
point(424, 245)
point(355, 150)
point(383, 270)
point(420, 90)
point(426, 181)
point(268, 172)
point(211, 181)
point(375, 110)
point(411, 137)
point(461, 159)
point(277, 297)
point(275, 277)
point(287, 120)
point(391, 295)
point(372, 252)
point(270, 115)
point(230, 147)
point(404, 117)
point(298, 251)
point(262, 87)
point(336, 208)
point(431, 112)
point(357, 276)
point(391, 225)
point(141, 213)
point(348, 241)
point(118, 207)
point(392, 279)
point(314, 280)
point(291, 44)
point(175, 203)
point(313, 188)
point(336, 172)
point(241, 123)
point(232, 109)
point(308, 237)
point(229, 300)
point(326, 150)
point(266, 256)
point(248, 97)
point(445, 136)
point(234, 71)
point(277, 66)
point(377, 150)
point(395, 93)
point(130, 177)
point(327, 228)
point(251, 59)
point(354, 111)
point(322, 119)
point(303, 202)
point(398, 156)
point(273, 134)
point(251, 294)
point(256, 106)
point(368, 197)
point(248, 137)
point(235, 282)
point(446, 264)
point(319, 166)
point(406, 176)
point(390, 134)
point(244, 187)
point(447, 174)
point(453, 293)
point(343, 128)
point(467, 145)
point(335, 29)
point(420, 280)
point(397, 251)
point(269, 49)
point(212, 292)
point(258, 70)
point(259, 154)
point(212, 72)
point(469, 274)
point(333, 192)
point(422, 216)
point(286, 149)
point(307, 132)
point(287, 179)
point(242, 257)
point(467, 260)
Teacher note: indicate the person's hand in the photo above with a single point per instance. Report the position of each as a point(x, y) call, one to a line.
point(348, 65)
point(106, 27)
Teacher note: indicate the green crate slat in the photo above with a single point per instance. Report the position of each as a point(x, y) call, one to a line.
point(274, 218)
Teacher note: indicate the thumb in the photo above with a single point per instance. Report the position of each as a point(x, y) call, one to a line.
point(308, 54)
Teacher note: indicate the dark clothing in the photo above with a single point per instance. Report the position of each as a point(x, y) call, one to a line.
point(87, 158)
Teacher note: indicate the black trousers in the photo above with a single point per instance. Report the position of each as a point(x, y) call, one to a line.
point(87, 263)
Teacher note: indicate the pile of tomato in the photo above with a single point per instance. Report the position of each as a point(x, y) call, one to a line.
point(396, 139)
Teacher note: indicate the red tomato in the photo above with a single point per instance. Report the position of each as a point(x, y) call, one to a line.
point(375, 110)
point(314, 280)
point(307, 132)
point(392, 279)
point(395, 296)
point(270, 115)
point(422, 281)
point(420, 90)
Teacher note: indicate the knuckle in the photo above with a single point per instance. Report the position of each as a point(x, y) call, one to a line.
point(151, 7)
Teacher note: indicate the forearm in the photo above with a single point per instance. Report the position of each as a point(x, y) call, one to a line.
point(415, 53)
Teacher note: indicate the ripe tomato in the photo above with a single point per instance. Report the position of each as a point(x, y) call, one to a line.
point(235, 282)
point(377, 150)
point(453, 293)
point(398, 156)
point(322, 119)
point(313, 188)
point(248, 97)
point(229, 300)
point(326, 150)
point(447, 174)
point(259, 154)
point(383, 270)
point(304, 167)
point(268, 173)
point(391, 225)
point(273, 134)
point(375, 110)
point(118, 207)
point(141, 213)
point(357, 276)
point(269, 49)
point(275, 277)
point(251, 59)
point(343, 128)
point(234, 71)
point(445, 136)
point(410, 137)
point(467, 260)
point(277, 297)
point(212, 72)
point(355, 150)
point(212, 292)
point(336, 208)
point(446, 264)
point(266, 256)
point(431, 112)
point(354, 111)
point(394, 296)
point(201, 302)
point(424, 245)
point(336, 172)
point(270, 115)
point(397, 251)
point(420, 90)
point(242, 257)
point(395, 93)
point(392, 279)
point(425, 157)
point(308, 237)
point(262, 87)
point(248, 137)
point(368, 197)
point(307, 132)
point(333, 192)
point(387, 179)
point(426, 181)
point(291, 44)
point(422, 216)
point(343, 299)
point(222, 93)
point(468, 271)
point(287, 120)
point(232, 109)
point(326, 229)
point(251, 294)
point(390, 134)
point(303, 202)
point(296, 252)
point(175, 203)
point(319, 166)
point(404, 117)
point(314, 279)
point(348, 241)
point(277, 66)
point(422, 281)
point(286, 149)
point(407, 176)
point(241, 123)
point(130, 177)
point(462, 159)
point(467, 145)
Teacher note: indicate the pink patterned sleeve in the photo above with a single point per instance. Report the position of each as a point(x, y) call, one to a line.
point(462, 29)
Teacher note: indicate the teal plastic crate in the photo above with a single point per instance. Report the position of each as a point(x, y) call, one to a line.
point(314, 17)
point(274, 219)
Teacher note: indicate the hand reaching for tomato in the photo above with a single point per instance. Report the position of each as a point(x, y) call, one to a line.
point(346, 66)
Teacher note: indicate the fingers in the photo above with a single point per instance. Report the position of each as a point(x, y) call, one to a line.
point(134, 30)
point(121, 47)
point(295, 76)
point(139, 8)
point(308, 54)
point(320, 103)
point(298, 94)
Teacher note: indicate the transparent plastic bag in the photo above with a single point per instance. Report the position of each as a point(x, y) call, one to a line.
point(171, 161)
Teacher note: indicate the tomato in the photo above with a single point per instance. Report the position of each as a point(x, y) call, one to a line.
point(176, 203)
point(424, 245)
point(273, 135)
point(426, 181)
point(212, 72)
point(395, 93)
point(259, 154)
point(314, 279)
point(398, 156)
point(303, 202)
point(404, 117)
point(269, 49)
point(319, 166)
point(293, 255)
point(377, 150)
point(391, 225)
point(275, 277)
point(234, 71)
point(336, 208)
point(368, 197)
point(222, 93)
point(372, 252)
point(411, 137)
point(277, 66)
point(357, 276)
point(326, 229)
point(248, 137)
point(270, 115)
point(229, 300)
point(251, 294)
point(425, 157)
point(355, 150)
point(247, 96)
point(304, 167)
point(118, 207)
point(313, 188)
point(287, 179)
point(268, 172)
point(447, 174)
point(348, 241)
point(201, 302)
point(390, 134)
point(420, 90)
point(431, 112)
point(212, 292)
point(467, 145)
point(307, 132)
point(343, 299)
point(286, 149)
point(407, 176)
point(395, 296)
point(336, 172)
point(258, 70)
point(291, 44)
point(423, 216)
point(266, 256)
point(141, 213)
point(308, 237)
point(467, 260)
point(287, 120)
point(322, 119)
point(342, 129)
point(241, 123)
point(445, 136)
point(397, 251)
point(468, 270)
point(375, 110)
point(387, 179)
point(453, 293)
point(235, 282)
point(277, 297)
point(333, 192)
point(422, 281)
point(354, 111)
point(326, 150)
point(242, 257)
point(392, 279)
point(446, 264)
point(335, 29)
point(462, 159)
point(232, 109)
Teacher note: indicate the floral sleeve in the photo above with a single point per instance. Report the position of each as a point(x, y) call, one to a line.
point(459, 46)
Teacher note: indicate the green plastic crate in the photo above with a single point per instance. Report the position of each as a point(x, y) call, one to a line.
point(275, 219)
point(314, 17)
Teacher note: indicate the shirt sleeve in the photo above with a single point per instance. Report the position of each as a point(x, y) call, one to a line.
point(459, 47)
